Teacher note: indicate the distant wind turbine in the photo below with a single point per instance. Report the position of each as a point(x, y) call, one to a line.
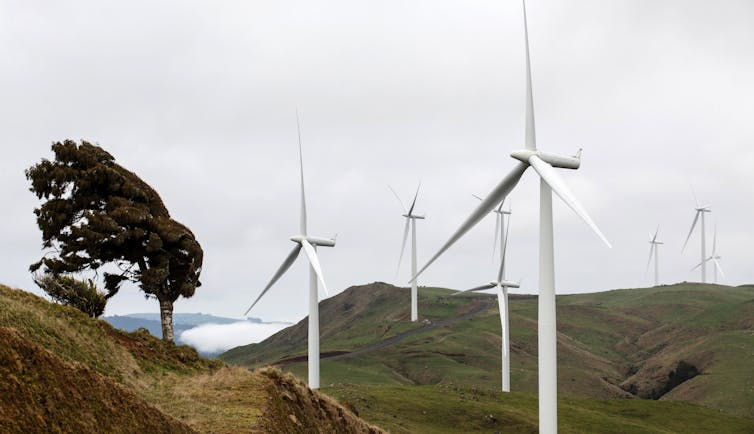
point(309, 244)
point(500, 214)
point(700, 211)
point(544, 164)
point(714, 258)
point(501, 285)
point(654, 251)
point(410, 220)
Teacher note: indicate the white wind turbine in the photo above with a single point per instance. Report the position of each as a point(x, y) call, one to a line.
point(410, 220)
point(654, 251)
point(714, 258)
point(500, 214)
point(501, 286)
point(308, 243)
point(700, 211)
point(544, 164)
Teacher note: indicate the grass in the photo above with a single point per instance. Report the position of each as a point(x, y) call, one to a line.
point(61, 371)
point(452, 409)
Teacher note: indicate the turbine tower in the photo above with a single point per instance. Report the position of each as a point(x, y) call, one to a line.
point(500, 214)
point(654, 251)
point(501, 286)
point(700, 211)
point(714, 258)
point(410, 220)
point(309, 244)
point(544, 164)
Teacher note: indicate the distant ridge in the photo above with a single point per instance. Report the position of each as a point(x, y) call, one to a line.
point(181, 322)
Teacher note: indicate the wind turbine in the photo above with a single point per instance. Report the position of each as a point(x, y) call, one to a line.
point(410, 219)
point(309, 244)
point(501, 286)
point(500, 214)
point(544, 164)
point(654, 251)
point(700, 211)
point(714, 258)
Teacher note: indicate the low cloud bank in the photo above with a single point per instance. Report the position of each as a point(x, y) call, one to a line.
point(217, 338)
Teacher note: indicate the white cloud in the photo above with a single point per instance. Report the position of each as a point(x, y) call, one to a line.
point(214, 338)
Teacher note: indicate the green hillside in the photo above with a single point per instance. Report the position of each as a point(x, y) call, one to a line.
point(61, 371)
point(686, 342)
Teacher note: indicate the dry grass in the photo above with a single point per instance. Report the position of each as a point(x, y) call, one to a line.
point(228, 400)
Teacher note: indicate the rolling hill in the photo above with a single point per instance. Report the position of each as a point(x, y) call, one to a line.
point(61, 371)
point(685, 343)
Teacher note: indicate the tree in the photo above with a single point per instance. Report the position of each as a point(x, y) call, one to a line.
point(97, 214)
point(83, 295)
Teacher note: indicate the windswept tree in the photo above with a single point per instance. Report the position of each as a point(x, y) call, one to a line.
point(96, 215)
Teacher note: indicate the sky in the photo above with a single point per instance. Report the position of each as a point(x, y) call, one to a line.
point(199, 99)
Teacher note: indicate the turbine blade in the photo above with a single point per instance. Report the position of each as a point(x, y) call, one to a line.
point(649, 261)
point(399, 199)
point(488, 204)
point(693, 224)
point(719, 267)
point(283, 268)
point(403, 245)
point(411, 210)
point(654, 238)
point(693, 193)
point(478, 288)
point(505, 250)
point(302, 225)
point(501, 303)
point(311, 254)
point(531, 139)
point(556, 183)
point(714, 242)
point(497, 233)
point(477, 197)
point(700, 264)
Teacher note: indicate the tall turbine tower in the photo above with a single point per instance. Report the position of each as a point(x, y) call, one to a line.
point(544, 164)
point(500, 214)
point(309, 244)
point(700, 211)
point(715, 258)
point(410, 219)
point(654, 251)
point(501, 285)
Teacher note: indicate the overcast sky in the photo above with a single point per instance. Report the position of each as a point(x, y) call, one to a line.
point(199, 99)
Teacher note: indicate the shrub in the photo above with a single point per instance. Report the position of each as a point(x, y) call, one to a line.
point(66, 290)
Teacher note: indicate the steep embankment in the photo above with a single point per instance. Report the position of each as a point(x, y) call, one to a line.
point(62, 371)
point(687, 342)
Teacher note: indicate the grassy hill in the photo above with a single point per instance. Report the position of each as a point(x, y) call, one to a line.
point(686, 342)
point(61, 371)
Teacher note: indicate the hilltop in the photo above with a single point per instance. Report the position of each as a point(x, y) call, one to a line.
point(63, 371)
point(686, 342)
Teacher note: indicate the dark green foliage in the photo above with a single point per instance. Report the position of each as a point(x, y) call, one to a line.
point(83, 295)
point(96, 212)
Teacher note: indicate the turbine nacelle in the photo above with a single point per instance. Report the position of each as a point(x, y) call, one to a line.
point(524, 155)
point(415, 216)
point(315, 241)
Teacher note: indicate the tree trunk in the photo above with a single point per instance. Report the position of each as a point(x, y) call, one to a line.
point(166, 317)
